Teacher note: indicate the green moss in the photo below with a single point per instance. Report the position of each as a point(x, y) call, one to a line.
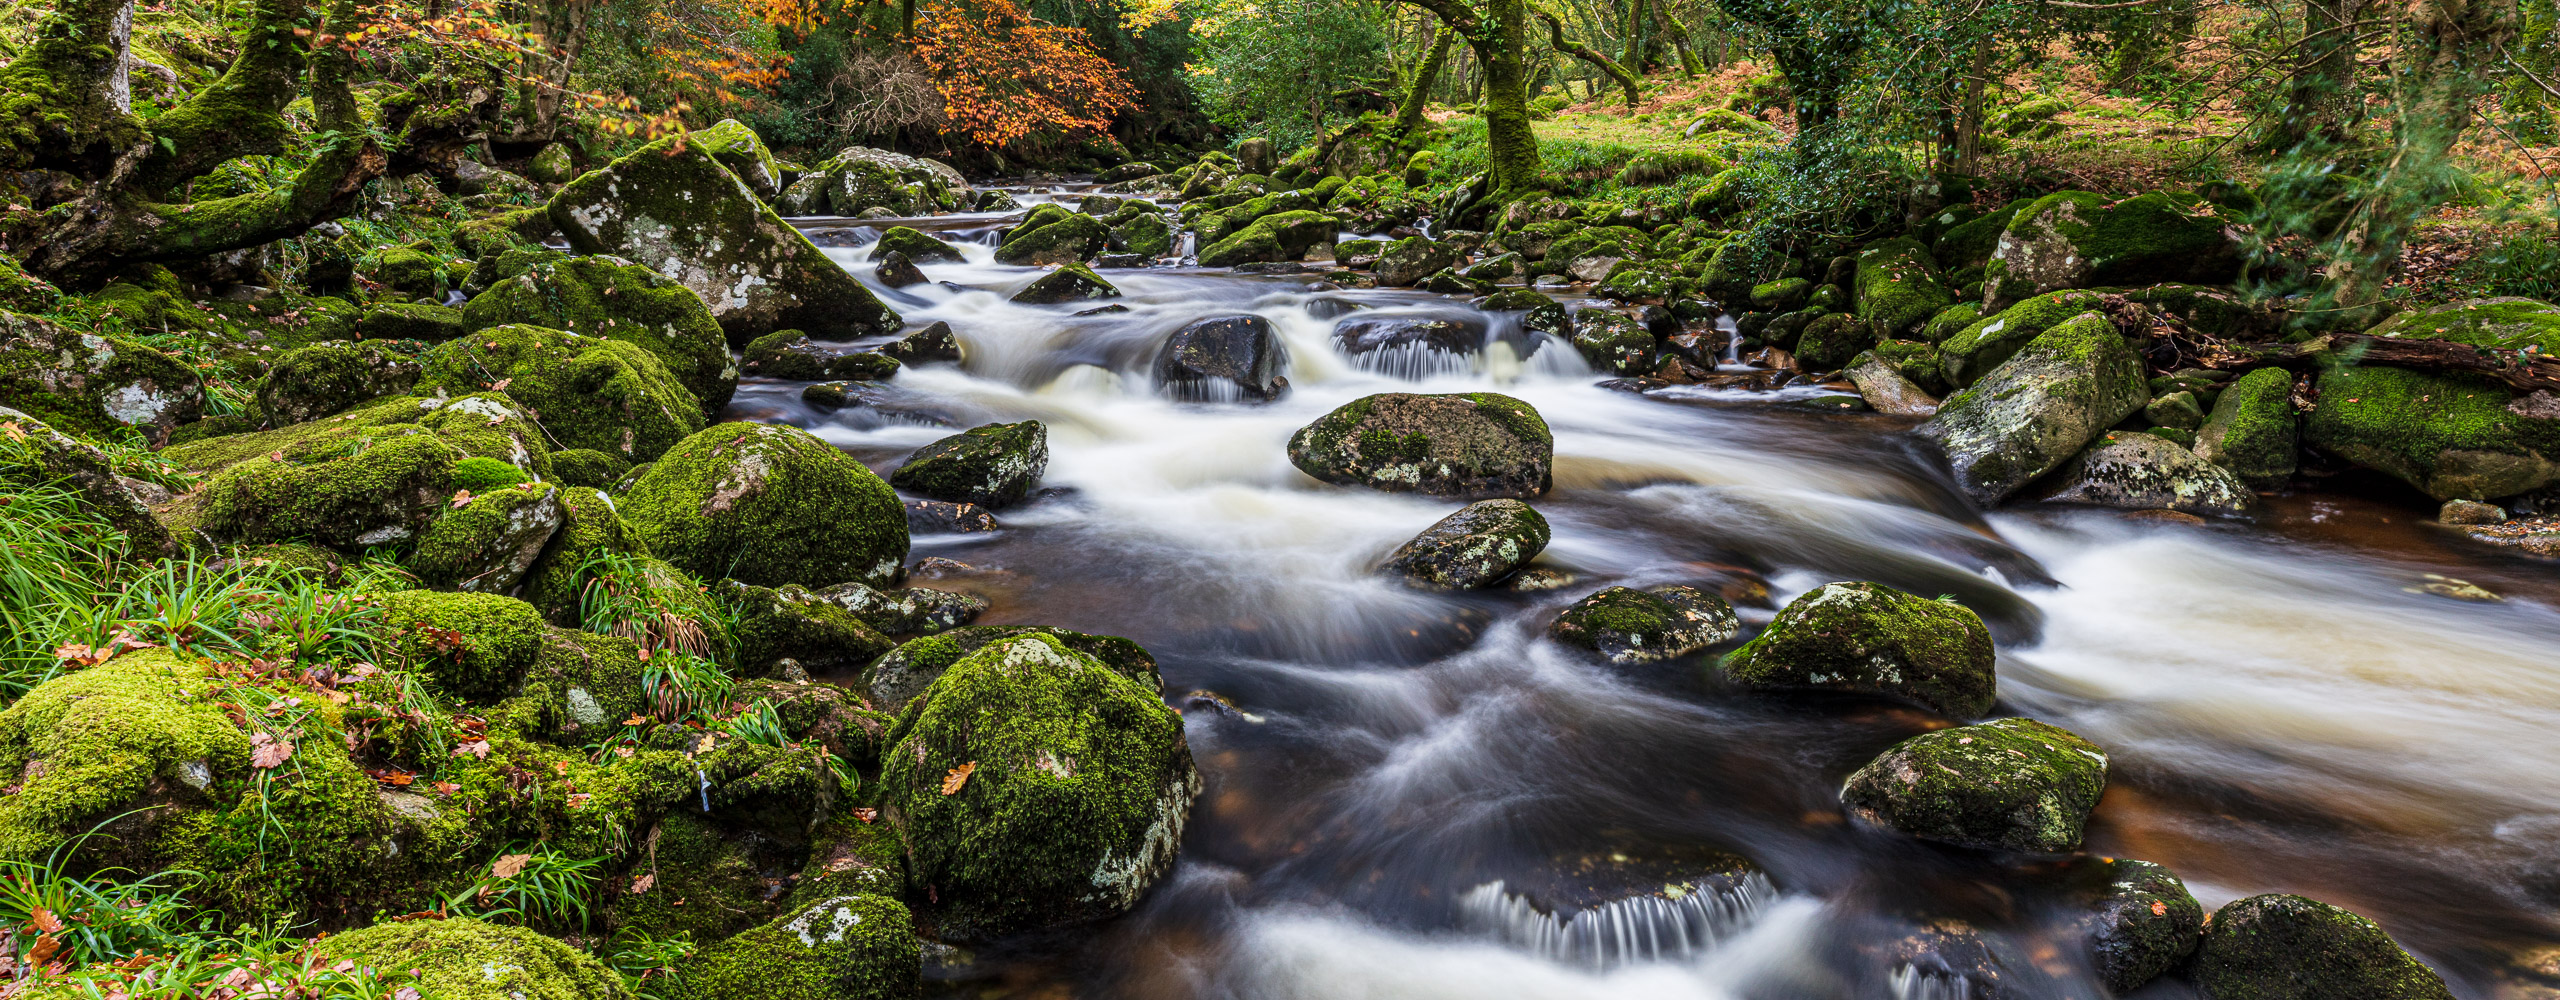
point(2455, 437)
point(1282, 236)
point(1063, 238)
point(587, 467)
point(2252, 431)
point(1898, 286)
point(2502, 323)
point(790, 622)
point(308, 383)
point(467, 645)
point(411, 321)
point(2007, 784)
point(617, 300)
point(1950, 321)
point(603, 395)
point(490, 542)
point(768, 505)
point(2281, 947)
point(1145, 233)
point(992, 466)
point(480, 475)
point(918, 247)
point(1980, 347)
point(1830, 342)
point(1070, 283)
point(589, 526)
point(704, 883)
point(342, 493)
point(579, 686)
point(1872, 639)
point(1478, 546)
point(1481, 444)
point(2039, 408)
point(897, 677)
point(850, 947)
point(1628, 626)
point(1080, 785)
point(463, 959)
point(93, 386)
point(1970, 244)
point(738, 148)
point(1613, 342)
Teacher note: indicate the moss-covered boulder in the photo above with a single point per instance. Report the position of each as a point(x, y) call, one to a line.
point(1628, 626)
point(2076, 239)
point(423, 321)
point(791, 355)
point(1636, 282)
point(2456, 437)
point(1833, 340)
point(615, 299)
point(1064, 238)
point(1478, 444)
point(89, 385)
point(2253, 430)
point(1899, 286)
point(2507, 323)
point(1479, 546)
point(768, 505)
point(1281, 236)
point(481, 424)
point(1145, 233)
point(311, 382)
point(488, 544)
point(1970, 243)
point(851, 947)
point(2283, 947)
point(1407, 261)
point(738, 148)
point(591, 526)
point(2031, 414)
point(342, 491)
point(676, 209)
point(467, 645)
point(587, 467)
point(897, 677)
point(1070, 284)
point(464, 959)
point(597, 394)
point(790, 622)
point(992, 466)
point(33, 454)
point(935, 343)
point(918, 247)
point(2140, 924)
point(1868, 638)
point(1613, 342)
point(1035, 787)
point(2136, 471)
point(1981, 345)
point(2007, 784)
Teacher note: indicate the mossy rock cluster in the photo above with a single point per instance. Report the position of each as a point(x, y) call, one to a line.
point(2007, 784)
point(614, 299)
point(992, 466)
point(1867, 638)
point(2283, 947)
point(311, 382)
point(595, 394)
point(1477, 444)
point(2039, 408)
point(898, 677)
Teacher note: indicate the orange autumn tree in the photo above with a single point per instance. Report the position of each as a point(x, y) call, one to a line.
point(1006, 76)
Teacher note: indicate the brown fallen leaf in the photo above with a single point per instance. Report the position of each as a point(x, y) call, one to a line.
point(462, 498)
point(866, 814)
point(44, 920)
point(959, 776)
point(509, 866)
point(267, 751)
point(644, 883)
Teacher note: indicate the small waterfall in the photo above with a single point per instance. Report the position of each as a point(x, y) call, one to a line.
point(1911, 982)
point(1413, 361)
point(1647, 928)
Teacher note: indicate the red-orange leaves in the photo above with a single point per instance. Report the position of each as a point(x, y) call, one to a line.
point(1006, 76)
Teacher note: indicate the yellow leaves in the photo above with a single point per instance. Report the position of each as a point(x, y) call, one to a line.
point(958, 778)
point(1005, 75)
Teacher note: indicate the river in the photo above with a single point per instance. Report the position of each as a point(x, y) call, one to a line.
point(2288, 708)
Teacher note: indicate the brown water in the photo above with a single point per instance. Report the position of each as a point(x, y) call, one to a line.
point(2286, 708)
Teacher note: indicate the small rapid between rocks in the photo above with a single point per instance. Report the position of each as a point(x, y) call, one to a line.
point(1406, 791)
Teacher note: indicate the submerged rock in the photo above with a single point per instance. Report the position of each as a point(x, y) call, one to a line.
point(2282, 947)
point(1628, 626)
point(2142, 924)
point(768, 505)
point(1467, 444)
point(991, 466)
point(895, 270)
point(1872, 639)
point(1476, 547)
point(2137, 471)
point(932, 344)
point(1033, 787)
point(2039, 408)
point(1211, 357)
point(2007, 784)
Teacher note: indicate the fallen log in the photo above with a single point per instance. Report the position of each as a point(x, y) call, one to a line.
point(2523, 371)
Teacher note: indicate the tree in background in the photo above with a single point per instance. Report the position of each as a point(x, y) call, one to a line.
point(1007, 78)
point(1275, 68)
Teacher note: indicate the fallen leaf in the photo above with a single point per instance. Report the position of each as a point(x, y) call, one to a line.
point(266, 751)
point(500, 384)
point(644, 883)
point(866, 814)
point(447, 788)
point(462, 498)
point(959, 776)
point(510, 865)
point(44, 920)
point(706, 745)
point(476, 748)
point(43, 951)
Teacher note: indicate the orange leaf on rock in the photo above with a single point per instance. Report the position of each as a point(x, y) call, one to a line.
point(959, 776)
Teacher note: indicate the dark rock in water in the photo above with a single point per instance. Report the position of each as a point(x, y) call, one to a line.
point(1476, 444)
point(1407, 261)
point(2142, 924)
point(1270, 267)
point(896, 678)
point(1476, 547)
point(931, 344)
point(1832, 403)
point(1613, 343)
point(1873, 639)
point(906, 610)
point(1328, 307)
point(1069, 283)
point(895, 270)
point(917, 247)
point(1950, 960)
point(1240, 351)
point(1362, 334)
point(2007, 784)
point(1449, 282)
point(1109, 310)
point(945, 517)
point(991, 466)
point(838, 395)
point(1659, 321)
point(2280, 947)
point(1623, 905)
point(1125, 260)
point(1628, 626)
point(790, 354)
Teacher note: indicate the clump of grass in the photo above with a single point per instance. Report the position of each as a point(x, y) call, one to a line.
point(2523, 264)
point(534, 885)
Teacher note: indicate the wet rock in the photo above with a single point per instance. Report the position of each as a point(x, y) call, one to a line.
point(1407, 261)
point(895, 270)
point(1124, 261)
point(1830, 342)
point(2076, 239)
point(790, 354)
point(941, 516)
point(1886, 390)
point(1067, 284)
point(1363, 334)
point(2254, 430)
point(2142, 924)
point(1468, 444)
point(2176, 409)
point(2039, 408)
point(768, 505)
point(614, 299)
point(308, 383)
point(1282, 237)
point(1872, 639)
point(675, 208)
point(2282, 947)
point(906, 610)
point(1210, 358)
point(1627, 626)
point(1063, 238)
point(1474, 548)
point(1499, 267)
point(1448, 282)
point(897, 677)
point(2007, 784)
point(1034, 786)
point(2455, 437)
point(2145, 472)
point(488, 544)
point(935, 343)
point(2471, 512)
point(1612, 342)
point(2538, 537)
point(839, 395)
point(916, 247)
point(93, 385)
point(991, 466)
point(1899, 286)
point(1625, 904)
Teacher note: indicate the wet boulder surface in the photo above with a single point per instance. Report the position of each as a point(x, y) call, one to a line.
point(1628, 626)
point(1470, 444)
point(1478, 546)
point(1223, 357)
point(1867, 638)
point(2008, 784)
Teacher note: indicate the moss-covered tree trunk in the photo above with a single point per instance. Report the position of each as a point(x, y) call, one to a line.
point(1417, 92)
point(1598, 60)
point(2321, 100)
point(1497, 34)
point(64, 101)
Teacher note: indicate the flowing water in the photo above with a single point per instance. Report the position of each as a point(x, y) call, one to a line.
point(1415, 795)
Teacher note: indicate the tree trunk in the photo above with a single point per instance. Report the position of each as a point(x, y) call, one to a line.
point(237, 115)
point(2439, 72)
point(1969, 125)
point(2516, 369)
point(2320, 100)
point(1679, 35)
point(1418, 91)
point(64, 102)
point(1555, 30)
point(1501, 43)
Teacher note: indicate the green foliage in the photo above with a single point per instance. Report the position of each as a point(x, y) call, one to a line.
point(54, 558)
point(2524, 264)
point(662, 608)
point(1275, 69)
point(536, 885)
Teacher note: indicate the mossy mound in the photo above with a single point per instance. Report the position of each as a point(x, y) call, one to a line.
point(2254, 430)
point(792, 623)
point(768, 505)
point(897, 677)
point(1899, 286)
point(311, 382)
point(465, 959)
point(2038, 409)
point(1035, 787)
point(588, 467)
point(2456, 437)
point(372, 476)
point(851, 947)
point(991, 466)
point(488, 544)
point(1070, 283)
point(475, 646)
point(1282, 236)
point(1629, 626)
point(597, 394)
point(1060, 238)
point(1478, 546)
point(1983, 344)
point(422, 321)
point(92, 386)
point(49, 457)
point(2282, 947)
point(590, 526)
point(615, 299)
point(1833, 340)
point(918, 247)
point(2007, 784)
point(1466, 444)
point(1872, 639)
point(2503, 323)
point(738, 148)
